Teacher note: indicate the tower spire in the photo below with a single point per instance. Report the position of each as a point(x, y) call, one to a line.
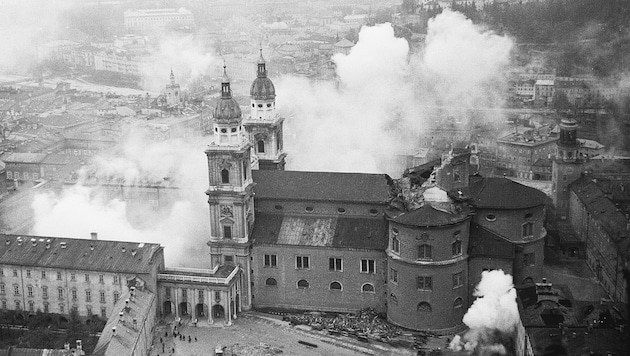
point(262, 67)
point(172, 76)
point(226, 92)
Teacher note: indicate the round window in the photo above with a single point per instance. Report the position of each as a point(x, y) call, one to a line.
point(309, 209)
point(341, 210)
point(491, 217)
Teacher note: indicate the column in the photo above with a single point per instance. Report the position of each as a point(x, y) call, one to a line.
point(176, 302)
point(210, 296)
point(228, 311)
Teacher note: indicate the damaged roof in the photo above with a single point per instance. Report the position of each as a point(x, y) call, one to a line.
point(78, 254)
point(430, 214)
point(327, 186)
point(337, 231)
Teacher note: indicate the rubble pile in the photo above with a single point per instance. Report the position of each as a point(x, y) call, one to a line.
point(261, 349)
point(366, 325)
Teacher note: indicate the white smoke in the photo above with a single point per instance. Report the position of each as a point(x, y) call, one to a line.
point(181, 227)
point(188, 58)
point(385, 95)
point(25, 26)
point(493, 313)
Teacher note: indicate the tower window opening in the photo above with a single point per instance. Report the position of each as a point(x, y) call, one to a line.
point(260, 105)
point(261, 146)
point(223, 130)
point(253, 105)
point(227, 232)
point(233, 129)
point(244, 170)
point(269, 105)
point(225, 176)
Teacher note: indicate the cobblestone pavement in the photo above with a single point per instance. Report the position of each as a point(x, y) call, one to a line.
point(251, 330)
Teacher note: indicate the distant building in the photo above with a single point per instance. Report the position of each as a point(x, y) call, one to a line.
point(143, 19)
point(519, 152)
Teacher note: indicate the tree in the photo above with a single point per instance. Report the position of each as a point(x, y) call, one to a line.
point(560, 101)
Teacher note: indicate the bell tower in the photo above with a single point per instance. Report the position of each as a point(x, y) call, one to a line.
point(566, 167)
point(230, 196)
point(264, 125)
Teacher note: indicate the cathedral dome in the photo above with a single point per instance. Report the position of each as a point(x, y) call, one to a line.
point(262, 89)
point(227, 110)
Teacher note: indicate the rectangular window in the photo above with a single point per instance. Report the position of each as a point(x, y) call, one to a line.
point(28, 273)
point(16, 290)
point(458, 279)
point(60, 293)
point(58, 276)
point(31, 306)
point(395, 244)
point(271, 260)
point(45, 292)
point(89, 310)
point(43, 274)
point(425, 252)
point(228, 258)
point(335, 264)
point(115, 279)
point(102, 297)
point(74, 294)
point(46, 308)
point(1, 272)
point(200, 295)
point(184, 294)
point(101, 279)
point(30, 291)
point(529, 259)
point(217, 296)
point(73, 277)
point(88, 296)
point(2, 289)
point(368, 266)
point(104, 313)
point(4, 304)
point(87, 277)
point(116, 297)
point(528, 230)
point(227, 232)
point(425, 283)
point(167, 292)
point(18, 306)
point(393, 275)
point(9, 175)
point(301, 262)
point(15, 272)
point(456, 248)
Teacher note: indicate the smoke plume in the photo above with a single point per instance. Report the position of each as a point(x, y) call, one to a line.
point(188, 58)
point(493, 316)
point(94, 204)
point(386, 95)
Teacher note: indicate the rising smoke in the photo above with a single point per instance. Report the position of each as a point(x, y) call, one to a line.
point(91, 206)
point(492, 318)
point(386, 95)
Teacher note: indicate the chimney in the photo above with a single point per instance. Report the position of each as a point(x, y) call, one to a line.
point(94, 235)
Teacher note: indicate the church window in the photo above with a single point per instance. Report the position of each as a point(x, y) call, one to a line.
point(335, 286)
point(456, 248)
point(271, 282)
point(425, 252)
point(261, 146)
point(225, 176)
point(528, 229)
point(367, 288)
point(303, 284)
point(335, 264)
point(227, 232)
point(271, 260)
point(302, 262)
point(424, 283)
point(395, 245)
point(368, 266)
point(424, 307)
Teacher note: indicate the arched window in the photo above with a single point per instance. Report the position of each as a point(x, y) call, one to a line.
point(458, 303)
point(424, 307)
point(225, 176)
point(367, 288)
point(244, 170)
point(335, 286)
point(425, 252)
point(271, 282)
point(261, 146)
point(395, 244)
point(303, 284)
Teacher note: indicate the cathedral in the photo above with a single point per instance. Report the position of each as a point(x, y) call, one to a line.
point(411, 248)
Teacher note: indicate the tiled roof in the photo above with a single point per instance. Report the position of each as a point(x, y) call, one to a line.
point(78, 254)
point(328, 186)
point(502, 193)
point(126, 338)
point(21, 157)
point(336, 231)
